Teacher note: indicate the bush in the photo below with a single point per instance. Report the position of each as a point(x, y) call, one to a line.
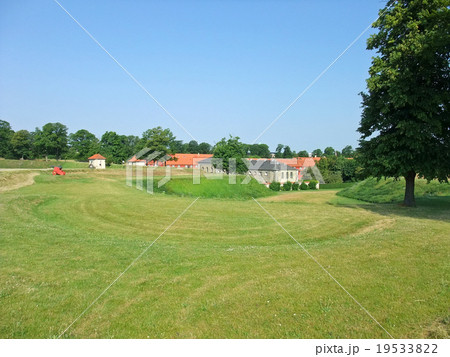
point(312, 184)
point(303, 186)
point(287, 186)
point(275, 186)
point(295, 186)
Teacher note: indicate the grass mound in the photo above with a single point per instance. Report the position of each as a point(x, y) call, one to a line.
point(391, 190)
point(214, 188)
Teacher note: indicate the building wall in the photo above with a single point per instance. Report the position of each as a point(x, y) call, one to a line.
point(98, 164)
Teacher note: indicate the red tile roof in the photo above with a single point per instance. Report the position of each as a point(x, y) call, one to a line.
point(97, 157)
point(134, 159)
point(187, 159)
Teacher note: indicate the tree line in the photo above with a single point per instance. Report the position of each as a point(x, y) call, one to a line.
point(53, 141)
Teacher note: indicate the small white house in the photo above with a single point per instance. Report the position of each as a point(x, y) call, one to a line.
point(97, 161)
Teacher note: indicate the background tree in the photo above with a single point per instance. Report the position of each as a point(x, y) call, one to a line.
point(259, 150)
point(279, 151)
point(329, 151)
point(287, 153)
point(348, 151)
point(176, 146)
point(159, 139)
point(6, 134)
point(405, 125)
point(317, 153)
point(82, 145)
point(303, 153)
point(21, 143)
point(193, 147)
point(204, 148)
point(231, 149)
point(51, 140)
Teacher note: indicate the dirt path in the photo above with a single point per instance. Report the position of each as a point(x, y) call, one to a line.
point(14, 180)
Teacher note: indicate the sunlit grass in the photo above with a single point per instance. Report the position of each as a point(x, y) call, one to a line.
point(224, 270)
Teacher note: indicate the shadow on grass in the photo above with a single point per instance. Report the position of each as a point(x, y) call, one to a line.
point(433, 207)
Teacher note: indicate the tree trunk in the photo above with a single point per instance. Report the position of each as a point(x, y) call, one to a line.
point(409, 200)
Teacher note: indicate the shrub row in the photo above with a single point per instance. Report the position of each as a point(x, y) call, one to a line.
point(294, 186)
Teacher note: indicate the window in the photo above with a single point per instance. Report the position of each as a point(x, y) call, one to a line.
point(291, 174)
point(282, 175)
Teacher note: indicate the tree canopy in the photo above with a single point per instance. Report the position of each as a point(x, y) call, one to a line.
point(231, 149)
point(405, 125)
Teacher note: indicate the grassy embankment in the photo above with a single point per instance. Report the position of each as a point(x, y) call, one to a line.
point(224, 269)
point(390, 190)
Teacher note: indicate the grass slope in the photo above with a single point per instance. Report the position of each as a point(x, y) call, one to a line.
point(390, 190)
point(216, 188)
point(225, 269)
point(41, 164)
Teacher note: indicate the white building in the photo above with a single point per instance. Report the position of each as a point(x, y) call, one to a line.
point(97, 161)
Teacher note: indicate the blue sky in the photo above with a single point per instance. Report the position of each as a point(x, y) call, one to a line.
point(220, 67)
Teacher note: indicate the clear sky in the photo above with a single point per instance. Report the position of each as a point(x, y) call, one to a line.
point(219, 67)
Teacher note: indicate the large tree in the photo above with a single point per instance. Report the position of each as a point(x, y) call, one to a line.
point(83, 144)
point(21, 143)
point(303, 153)
point(159, 140)
point(287, 152)
point(231, 149)
point(329, 151)
point(405, 125)
point(204, 148)
point(6, 134)
point(51, 140)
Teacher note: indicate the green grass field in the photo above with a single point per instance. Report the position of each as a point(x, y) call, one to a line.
point(225, 269)
point(41, 164)
point(390, 190)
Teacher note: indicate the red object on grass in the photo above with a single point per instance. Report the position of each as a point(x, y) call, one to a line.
point(58, 171)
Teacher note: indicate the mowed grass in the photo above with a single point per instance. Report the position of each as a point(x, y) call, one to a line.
point(224, 269)
point(391, 190)
point(41, 164)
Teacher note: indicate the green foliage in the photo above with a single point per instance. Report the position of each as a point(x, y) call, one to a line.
point(405, 121)
point(204, 148)
point(295, 186)
point(22, 145)
point(6, 134)
point(51, 140)
point(259, 150)
point(279, 151)
point(312, 184)
point(275, 186)
point(192, 147)
point(83, 144)
point(287, 186)
point(287, 152)
point(329, 151)
point(392, 190)
point(304, 186)
point(348, 151)
point(303, 153)
point(231, 149)
point(159, 140)
point(317, 153)
point(115, 147)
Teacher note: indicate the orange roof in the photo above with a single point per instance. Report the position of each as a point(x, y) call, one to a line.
point(134, 159)
point(97, 157)
point(187, 159)
point(291, 162)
